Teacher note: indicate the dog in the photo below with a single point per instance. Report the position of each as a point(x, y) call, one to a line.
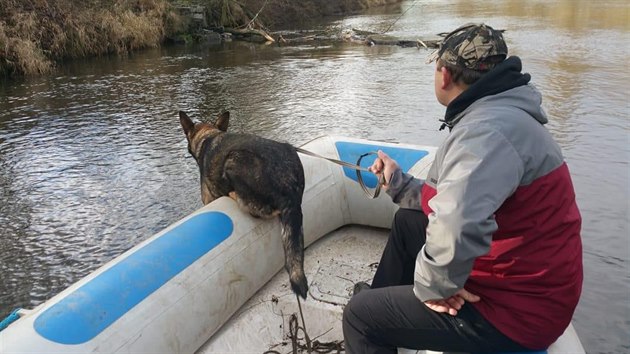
point(265, 178)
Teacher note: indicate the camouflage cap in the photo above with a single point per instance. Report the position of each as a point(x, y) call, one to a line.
point(473, 46)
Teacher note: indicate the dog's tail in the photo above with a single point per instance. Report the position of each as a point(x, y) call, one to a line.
point(293, 241)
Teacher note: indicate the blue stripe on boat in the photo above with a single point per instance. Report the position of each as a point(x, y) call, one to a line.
point(350, 152)
point(87, 311)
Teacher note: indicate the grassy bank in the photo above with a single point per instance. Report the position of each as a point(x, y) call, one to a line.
point(36, 35)
point(277, 14)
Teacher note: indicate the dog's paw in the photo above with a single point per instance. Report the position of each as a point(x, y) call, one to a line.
point(300, 286)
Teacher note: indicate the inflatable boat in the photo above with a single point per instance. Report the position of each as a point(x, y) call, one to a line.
point(214, 281)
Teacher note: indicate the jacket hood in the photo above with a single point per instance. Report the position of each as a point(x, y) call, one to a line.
point(504, 77)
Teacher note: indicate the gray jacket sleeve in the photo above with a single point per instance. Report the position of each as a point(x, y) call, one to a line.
point(477, 169)
point(404, 190)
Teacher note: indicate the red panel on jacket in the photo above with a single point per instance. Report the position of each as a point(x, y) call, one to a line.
point(531, 280)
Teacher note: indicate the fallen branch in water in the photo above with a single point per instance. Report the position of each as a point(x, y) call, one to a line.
point(354, 36)
point(381, 39)
point(251, 34)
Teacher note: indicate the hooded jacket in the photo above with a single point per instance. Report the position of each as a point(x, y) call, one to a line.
point(503, 219)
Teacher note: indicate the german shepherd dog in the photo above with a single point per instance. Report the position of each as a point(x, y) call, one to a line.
point(264, 177)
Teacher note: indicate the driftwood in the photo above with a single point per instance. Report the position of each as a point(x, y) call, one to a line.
point(373, 38)
point(304, 37)
point(380, 39)
point(253, 30)
point(252, 35)
point(353, 36)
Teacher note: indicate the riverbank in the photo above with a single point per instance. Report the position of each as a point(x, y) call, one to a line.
point(37, 35)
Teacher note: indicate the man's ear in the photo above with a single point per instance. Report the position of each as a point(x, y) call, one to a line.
point(447, 78)
point(223, 121)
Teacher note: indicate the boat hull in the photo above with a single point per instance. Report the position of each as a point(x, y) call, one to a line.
point(175, 290)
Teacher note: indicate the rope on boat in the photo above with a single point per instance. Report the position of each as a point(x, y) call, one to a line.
point(297, 346)
point(310, 347)
point(10, 319)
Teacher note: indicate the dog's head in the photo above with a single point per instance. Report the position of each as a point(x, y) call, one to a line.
point(196, 133)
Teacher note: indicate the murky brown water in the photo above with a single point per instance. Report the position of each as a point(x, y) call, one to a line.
point(92, 160)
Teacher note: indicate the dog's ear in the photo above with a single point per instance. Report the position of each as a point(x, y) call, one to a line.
point(223, 121)
point(186, 122)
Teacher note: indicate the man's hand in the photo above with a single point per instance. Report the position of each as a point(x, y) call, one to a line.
point(384, 167)
point(452, 304)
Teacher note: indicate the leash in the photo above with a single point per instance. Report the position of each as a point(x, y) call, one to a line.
point(357, 168)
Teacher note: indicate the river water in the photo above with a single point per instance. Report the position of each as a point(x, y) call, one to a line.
point(93, 160)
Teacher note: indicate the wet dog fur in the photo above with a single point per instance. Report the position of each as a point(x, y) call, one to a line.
point(264, 177)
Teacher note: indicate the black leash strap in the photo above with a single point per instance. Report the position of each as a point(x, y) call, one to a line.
point(356, 167)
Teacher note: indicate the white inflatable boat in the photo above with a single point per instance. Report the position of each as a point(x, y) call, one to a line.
point(214, 281)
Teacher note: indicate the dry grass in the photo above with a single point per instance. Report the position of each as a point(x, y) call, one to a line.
point(287, 13)
point(280, 13)
point(36, 34)
point(20, 53)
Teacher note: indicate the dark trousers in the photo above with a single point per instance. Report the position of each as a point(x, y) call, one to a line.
point(389, 315)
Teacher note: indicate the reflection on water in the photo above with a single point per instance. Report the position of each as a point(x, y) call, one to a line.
point(92, 160)
point(574, 15)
